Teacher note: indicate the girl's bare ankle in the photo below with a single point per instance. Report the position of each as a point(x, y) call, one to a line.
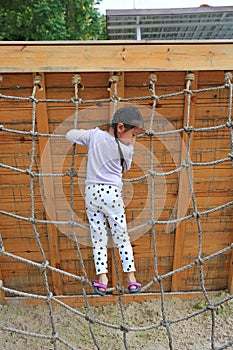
point(131, 277)
point(103, 279)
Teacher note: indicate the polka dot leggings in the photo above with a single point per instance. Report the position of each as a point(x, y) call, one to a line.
point(104, 203)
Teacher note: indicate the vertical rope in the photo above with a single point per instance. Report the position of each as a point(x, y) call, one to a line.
point(76, 80)
point(189, 78)
point(228, 78)
point(45, 263)
point(165, 323)
point(114, 80)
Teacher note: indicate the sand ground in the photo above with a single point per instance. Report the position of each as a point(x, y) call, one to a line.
point(191, 334)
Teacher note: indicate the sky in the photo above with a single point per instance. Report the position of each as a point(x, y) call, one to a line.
point(155, 4)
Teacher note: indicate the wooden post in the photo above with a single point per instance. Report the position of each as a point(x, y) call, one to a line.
point(183, 187)
point(42, 125)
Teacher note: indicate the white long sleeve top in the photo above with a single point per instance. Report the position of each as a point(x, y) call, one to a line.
point(103, 164)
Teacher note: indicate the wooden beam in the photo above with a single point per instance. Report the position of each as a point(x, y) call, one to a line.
point(95, 300)
point(118, 56)
point(43, 127)
point(183, 188)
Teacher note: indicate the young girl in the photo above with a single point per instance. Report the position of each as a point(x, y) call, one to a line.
point(109, 154)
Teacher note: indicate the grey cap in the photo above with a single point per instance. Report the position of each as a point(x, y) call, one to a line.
point(128, 115)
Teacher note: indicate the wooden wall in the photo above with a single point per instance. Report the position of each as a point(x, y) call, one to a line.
point(212, 184)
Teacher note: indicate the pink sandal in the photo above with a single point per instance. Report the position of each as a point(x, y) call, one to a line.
point(135, 290)
point(96, 285)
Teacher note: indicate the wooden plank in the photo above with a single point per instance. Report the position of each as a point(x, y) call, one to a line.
point(94, 300)
point(115, 56)
point(48, 186)
point(183, 191)
point(141, 79)
point(214, 277)
point(90, 81)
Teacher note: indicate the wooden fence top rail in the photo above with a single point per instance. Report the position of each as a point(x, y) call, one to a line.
point(99, 56)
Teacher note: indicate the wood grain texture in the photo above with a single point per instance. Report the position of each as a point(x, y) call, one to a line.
point(212, 184)
point(115, 56)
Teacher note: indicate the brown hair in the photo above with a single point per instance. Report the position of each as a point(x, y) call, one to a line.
point(131, 118)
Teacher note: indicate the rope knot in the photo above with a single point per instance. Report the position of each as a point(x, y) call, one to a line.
point(34, 133)
point(227, 76)
point(153, 77)
point(32, 99)
point(153, 80)
point(114, 79)
point(165, 323)
point(37, 82)
point(54, 339)
point(71, 172)
point(124, 328)
point(89, 318)
point(155, 97)
point(44, 266)
point(114, 98)
point(1, 246)
point(196, 215)
point(186, 164)
point(76, 79)
point(157, 278)
point(72, 224)
point(31, 173)
point(199, 261)
point(49, 297)
point(211, 307)
point(228, 125)
point(120, 289)
point(187, 91)
point(152, 172)
point(149, 133)
point(190, 76)
point(77, 100)
point(188, 129)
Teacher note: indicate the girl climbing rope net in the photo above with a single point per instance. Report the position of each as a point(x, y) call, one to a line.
point(110, 153)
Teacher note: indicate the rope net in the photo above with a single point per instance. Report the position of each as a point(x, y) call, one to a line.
point(73, 225)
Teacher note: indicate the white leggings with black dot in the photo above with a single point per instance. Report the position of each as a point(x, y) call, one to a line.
point(105, 203)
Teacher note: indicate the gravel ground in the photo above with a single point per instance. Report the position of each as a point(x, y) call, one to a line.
point(191, 334)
